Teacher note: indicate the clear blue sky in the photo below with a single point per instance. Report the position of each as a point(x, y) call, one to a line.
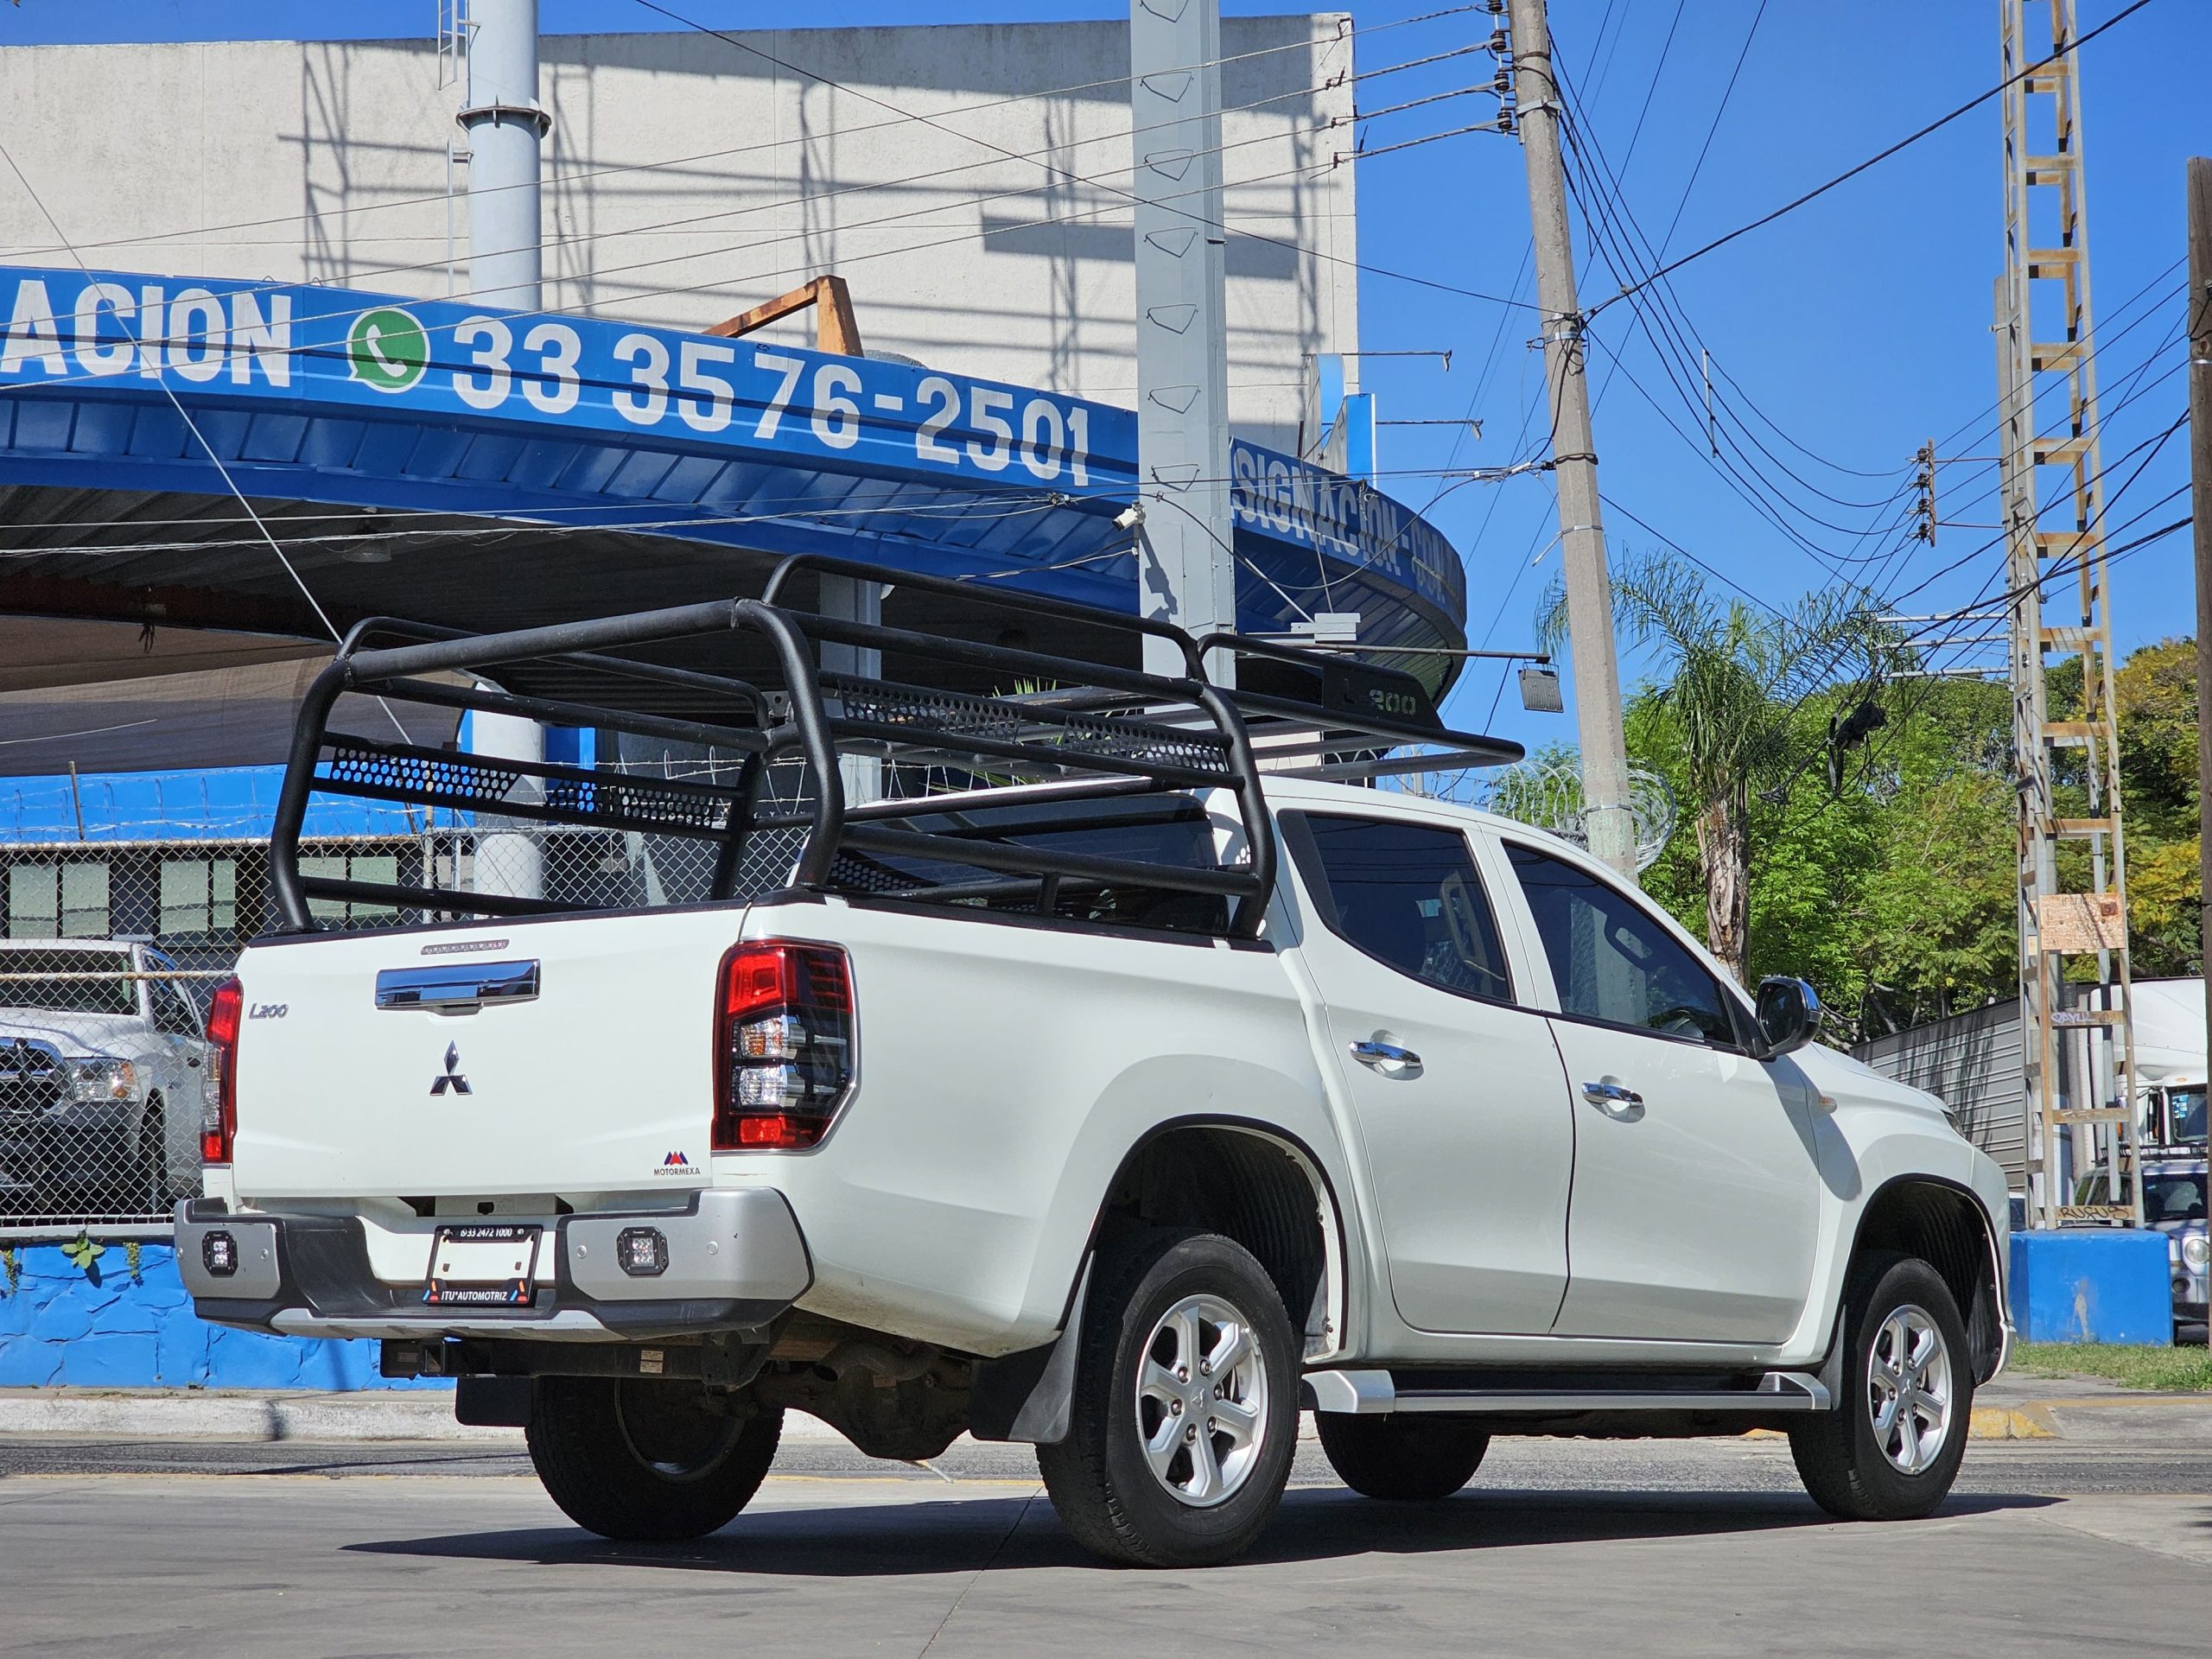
point(1859, 325)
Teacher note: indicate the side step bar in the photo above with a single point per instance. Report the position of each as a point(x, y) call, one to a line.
point(1373, 1393)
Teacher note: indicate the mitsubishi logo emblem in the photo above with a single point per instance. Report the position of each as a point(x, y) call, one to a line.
point(453, 1079)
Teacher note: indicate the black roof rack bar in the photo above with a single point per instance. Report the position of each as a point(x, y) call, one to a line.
point(976, 592)
point(1005, 856)
point(561, 640)
point(1164, 774)
point(1100, 731)
point(627, 668)
point(1393, 765)
point(555, 711)
point(432, 899)
point(955, 802)
point(1001, 795)
point(1011, 658)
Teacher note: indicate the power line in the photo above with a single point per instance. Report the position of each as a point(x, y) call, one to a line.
point(1910, 139)
point(666, 163)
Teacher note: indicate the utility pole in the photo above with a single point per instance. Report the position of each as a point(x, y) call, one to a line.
point(2048, 380)
point(1611, 827)
point(504, 128)
point(1186, 571)
point(2200, 474)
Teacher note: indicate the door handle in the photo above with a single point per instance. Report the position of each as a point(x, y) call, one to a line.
point(1379, 1055)
point(1610, 1095)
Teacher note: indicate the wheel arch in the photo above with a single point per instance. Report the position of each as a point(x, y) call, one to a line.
point(1942, 1222)
point(1250, 1181)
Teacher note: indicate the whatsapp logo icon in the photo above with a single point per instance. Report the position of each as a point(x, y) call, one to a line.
point(387, 349)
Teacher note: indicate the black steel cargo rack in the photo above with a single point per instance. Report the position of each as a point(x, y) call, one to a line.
point(1068, 746)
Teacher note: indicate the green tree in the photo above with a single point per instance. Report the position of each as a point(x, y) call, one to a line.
point(1728, 711)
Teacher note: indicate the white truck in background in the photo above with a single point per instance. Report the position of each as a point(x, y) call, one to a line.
point(1099, 1085)
point(2170, 1060)
point(101, 1080)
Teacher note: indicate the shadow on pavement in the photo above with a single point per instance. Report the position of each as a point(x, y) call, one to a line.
point(1012, 1534)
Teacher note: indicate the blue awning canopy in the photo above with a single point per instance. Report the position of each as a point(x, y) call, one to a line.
point(484, 469)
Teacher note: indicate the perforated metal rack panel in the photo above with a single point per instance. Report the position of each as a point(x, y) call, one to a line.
point(606, 800)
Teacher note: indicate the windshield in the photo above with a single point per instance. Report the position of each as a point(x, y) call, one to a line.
point(2173, 1197)
point(2168, 1195)
point(72, 981)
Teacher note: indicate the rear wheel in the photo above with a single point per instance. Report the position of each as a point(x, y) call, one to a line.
point(1891, 1447)
point(1186, 1409)
point(639, 1459)
point(1401, 1458)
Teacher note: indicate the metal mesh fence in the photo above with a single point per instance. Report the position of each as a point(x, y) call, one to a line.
point(111, 944)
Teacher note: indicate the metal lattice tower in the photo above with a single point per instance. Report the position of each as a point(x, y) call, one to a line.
point(2046, 368)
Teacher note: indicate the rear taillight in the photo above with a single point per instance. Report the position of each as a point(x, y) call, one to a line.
point(219, 1115)
point(784, 1045)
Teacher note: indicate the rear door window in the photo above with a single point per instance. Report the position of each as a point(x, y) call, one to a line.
point(1406, 894)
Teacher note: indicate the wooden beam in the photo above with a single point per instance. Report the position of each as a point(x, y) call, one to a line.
point(834, 330)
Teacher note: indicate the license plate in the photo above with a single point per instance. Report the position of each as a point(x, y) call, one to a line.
point(483, 1264)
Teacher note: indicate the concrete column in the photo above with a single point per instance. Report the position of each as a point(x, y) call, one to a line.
point(849, 598)
point(1186, 572)
point(505, 127)
point(509, 857)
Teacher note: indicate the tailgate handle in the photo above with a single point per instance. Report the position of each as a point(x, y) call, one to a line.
point(461, 988)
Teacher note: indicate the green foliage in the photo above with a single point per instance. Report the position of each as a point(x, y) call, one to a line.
point(1732, 725)
point(84, 1250)
point(12, 1266)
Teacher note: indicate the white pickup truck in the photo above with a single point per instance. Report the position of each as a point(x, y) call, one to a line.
point(1098, 1070)
point(101, 1081)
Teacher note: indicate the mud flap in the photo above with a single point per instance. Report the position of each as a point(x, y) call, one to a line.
point(1030, 1395)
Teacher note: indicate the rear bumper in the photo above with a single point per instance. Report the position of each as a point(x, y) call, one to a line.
point(735, 1260)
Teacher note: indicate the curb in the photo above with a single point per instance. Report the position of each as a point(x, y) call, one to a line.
point(2031, 1421)
point(206, 1415)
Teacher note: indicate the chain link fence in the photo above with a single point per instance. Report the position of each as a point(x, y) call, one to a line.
point(112, 942)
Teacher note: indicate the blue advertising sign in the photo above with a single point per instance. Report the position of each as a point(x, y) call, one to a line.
point(748, 408)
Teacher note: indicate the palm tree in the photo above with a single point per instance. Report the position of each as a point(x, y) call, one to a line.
point(1737, 682)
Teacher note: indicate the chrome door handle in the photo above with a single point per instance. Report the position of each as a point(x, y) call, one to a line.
point(1610, 1094)
point(1379, 1055)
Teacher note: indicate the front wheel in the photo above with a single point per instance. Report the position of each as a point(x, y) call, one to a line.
point(1401, 1458)
point(1891, 1447)
point(1185, 1410)
point(644, 1460)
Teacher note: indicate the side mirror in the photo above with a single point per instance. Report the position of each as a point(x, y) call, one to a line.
point(1788, 1014)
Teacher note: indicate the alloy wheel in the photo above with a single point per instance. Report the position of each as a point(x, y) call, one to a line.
point(1909, 1389)
point(1202, 1400)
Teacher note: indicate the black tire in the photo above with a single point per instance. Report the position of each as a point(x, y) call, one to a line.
point(1100, 1478)
point(1401, 1459)
point(641, 1459)
point(1852, 1471)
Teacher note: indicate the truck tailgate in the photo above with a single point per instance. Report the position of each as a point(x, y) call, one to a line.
point(585, 1066)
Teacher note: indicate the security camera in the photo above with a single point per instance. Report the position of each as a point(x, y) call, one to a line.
point(1129, 517)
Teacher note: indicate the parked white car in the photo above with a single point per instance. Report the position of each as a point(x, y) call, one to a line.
point(1126, 1118)
point(102, 1079)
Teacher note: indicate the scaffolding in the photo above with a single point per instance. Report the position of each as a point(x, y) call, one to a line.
point(2046, 360)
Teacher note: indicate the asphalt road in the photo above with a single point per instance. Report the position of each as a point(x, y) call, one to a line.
point(1560, 1547)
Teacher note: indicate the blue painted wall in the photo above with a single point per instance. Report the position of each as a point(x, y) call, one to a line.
point(2092, 1284)
point(114, 1328)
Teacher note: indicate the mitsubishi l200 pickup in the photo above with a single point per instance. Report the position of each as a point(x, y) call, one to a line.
point(953, 1036)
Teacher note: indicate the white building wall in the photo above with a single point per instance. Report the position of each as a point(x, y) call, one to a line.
point(688, 178)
